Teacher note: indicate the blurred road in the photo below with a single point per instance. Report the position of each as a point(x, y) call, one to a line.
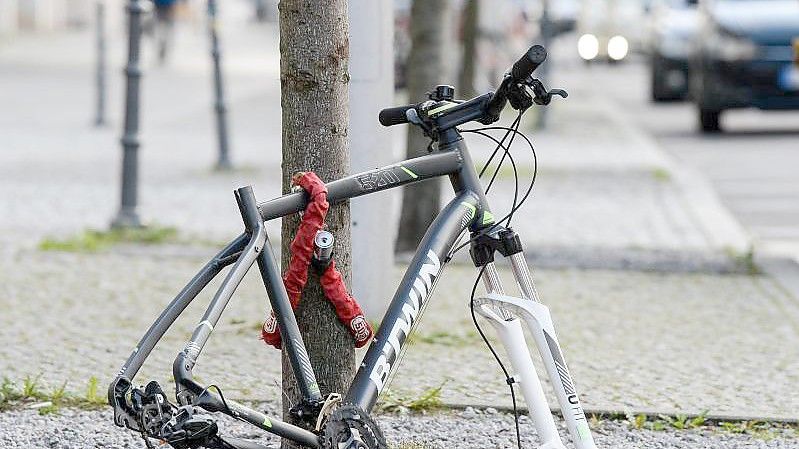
point(752, 164)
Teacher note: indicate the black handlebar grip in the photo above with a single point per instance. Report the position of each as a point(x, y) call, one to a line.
point(527, 64)
point(395, 116)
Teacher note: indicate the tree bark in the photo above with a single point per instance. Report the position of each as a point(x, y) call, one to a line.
point(426, 62)
point(469, 32)
point(314, 57)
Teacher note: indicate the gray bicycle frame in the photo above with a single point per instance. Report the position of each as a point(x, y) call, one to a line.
point(468, 210)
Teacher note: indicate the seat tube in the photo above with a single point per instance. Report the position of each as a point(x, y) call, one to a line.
point(279, 298)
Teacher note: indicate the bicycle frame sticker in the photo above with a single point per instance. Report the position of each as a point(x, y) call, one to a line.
point(417, 297)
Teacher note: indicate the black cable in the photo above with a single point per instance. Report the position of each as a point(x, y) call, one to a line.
point(513, 127)
point(512, 161)
point(535, 164)
point(524, 198)
point(500, 145)
point(493, 154)
point(508, 377)
point(221, 395)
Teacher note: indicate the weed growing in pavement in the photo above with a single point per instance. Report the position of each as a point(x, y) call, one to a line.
point(30, 387)
point(661, 174)
point(663, 422)
point(31, 395)
point(91, 392)
point(429, 400)
point(92, 240)
point(744, 261)
point(759, 429)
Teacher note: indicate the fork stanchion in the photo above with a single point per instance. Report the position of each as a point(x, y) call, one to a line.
point(127, 216)
point(220, 106)
point(100, 78)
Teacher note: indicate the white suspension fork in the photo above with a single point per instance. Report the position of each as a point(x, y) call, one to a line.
point(504, 313)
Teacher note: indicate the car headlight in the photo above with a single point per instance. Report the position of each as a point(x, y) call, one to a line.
point(618, 48)
point(588, 46)
point(728, 47)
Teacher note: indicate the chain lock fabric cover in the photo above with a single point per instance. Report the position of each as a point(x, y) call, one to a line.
point(346, 307)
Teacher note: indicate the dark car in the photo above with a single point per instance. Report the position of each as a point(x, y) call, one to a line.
point(674, 24)
point(747, 55)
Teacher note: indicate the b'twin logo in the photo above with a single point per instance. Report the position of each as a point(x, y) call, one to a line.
point(402, 327)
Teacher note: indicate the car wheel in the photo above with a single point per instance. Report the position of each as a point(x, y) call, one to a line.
point(657, 89)
point(709, 120)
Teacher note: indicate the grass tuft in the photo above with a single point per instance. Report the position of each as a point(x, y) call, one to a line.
point(30, 395)
point(661, 174)
point(91, 392)
point(429, 400)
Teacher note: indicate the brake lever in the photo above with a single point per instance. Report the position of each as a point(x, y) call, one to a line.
point(542, 96)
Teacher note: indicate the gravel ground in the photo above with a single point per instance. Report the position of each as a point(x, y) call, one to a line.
point(470, 428)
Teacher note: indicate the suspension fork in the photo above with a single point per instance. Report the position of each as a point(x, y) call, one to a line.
point(506, 314)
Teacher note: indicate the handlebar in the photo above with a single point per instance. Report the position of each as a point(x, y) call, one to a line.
point(395, 116)
point(446, 112)
point(527, 64)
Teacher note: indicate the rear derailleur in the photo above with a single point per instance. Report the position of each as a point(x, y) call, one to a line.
point(182, 427)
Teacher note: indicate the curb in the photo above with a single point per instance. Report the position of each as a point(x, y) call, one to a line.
point(718, 225)
point(619, 414)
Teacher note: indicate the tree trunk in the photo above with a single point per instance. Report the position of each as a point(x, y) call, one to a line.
point(426, 62)
point(314, 56)
point(469, 32)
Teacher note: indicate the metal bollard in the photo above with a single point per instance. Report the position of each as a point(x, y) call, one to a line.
point(101, 64)
point(127, 216)
point(220, 107)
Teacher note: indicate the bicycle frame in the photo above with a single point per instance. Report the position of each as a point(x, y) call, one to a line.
point(467, 211)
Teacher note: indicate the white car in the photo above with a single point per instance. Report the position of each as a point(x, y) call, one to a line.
point(610, 29)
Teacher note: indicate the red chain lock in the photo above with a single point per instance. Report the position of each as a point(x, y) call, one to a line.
point(302, 247)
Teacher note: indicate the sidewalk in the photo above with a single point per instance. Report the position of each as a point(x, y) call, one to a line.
point(606, 197)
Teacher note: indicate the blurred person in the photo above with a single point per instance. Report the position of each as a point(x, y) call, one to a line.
point(164, 27)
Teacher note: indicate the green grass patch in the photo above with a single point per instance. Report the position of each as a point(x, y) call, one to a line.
point(759, 429)
point(92, 240)
point(429, 400)
point(661, 174)
point(30, 393)
point(663, 422)
point(744, 261)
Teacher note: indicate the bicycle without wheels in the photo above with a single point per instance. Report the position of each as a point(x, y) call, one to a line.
point(346, 424)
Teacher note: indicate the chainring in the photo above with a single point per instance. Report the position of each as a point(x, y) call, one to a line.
point(349, 427)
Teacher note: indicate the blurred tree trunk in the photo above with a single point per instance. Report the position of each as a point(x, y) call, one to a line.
point(469, 32)
point(314, 58)
point(426, 62)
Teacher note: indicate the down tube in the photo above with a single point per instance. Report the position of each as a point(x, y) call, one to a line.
point(410, 300)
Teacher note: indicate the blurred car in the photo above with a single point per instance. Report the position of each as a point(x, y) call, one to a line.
point(610, 29)
point(747, 55)
point(674, 24)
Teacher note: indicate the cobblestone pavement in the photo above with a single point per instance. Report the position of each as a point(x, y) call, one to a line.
point(685, 343)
